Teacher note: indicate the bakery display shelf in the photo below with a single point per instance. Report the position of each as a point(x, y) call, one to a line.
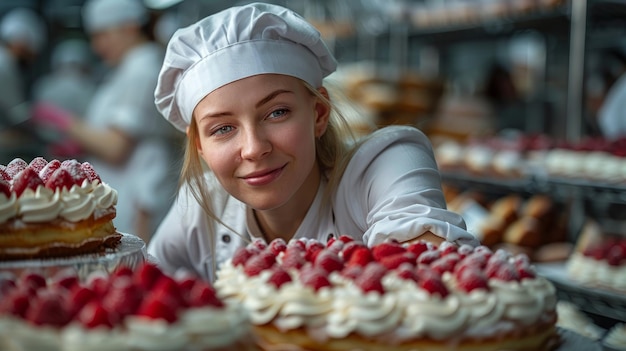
point(610, 192)
point(596, 301)
point(553, 20)
point(478, 181)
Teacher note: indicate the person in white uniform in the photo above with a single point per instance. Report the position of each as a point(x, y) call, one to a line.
point(128, 143)
point(265, 155)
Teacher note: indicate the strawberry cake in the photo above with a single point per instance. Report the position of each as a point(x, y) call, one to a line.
point(141, 310)
point(600, 264)
point(50, 209)
point(305, 295)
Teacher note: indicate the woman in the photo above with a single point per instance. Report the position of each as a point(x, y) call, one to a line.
point(246, 86)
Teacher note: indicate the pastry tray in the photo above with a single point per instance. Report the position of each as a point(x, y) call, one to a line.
point(130, 252)
point(594, 300)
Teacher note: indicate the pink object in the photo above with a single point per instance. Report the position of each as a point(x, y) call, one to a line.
point(66, 149)
point(52, 116)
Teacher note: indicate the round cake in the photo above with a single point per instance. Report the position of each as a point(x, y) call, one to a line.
point(141, 310)
point(305, 295)
point(50, 209)
point(600, 264)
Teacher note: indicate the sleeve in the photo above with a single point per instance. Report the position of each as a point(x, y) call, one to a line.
point(396, 177)
point(612, 115)
point(180, 243)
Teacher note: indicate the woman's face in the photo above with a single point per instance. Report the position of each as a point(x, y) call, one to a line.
point(258, 136)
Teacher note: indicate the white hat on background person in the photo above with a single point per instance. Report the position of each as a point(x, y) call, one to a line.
point(71, 52)
point(26, 26)
point(104, 14)
point(233, 44)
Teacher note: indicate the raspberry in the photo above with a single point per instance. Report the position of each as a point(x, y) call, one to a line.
point(386, 248)
point(329, 261)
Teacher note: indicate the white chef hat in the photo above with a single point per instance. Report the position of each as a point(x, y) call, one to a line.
point(24, 25)
point(103, 14)
point(234, 44)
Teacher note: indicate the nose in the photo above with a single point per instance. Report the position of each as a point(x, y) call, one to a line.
point(255, 144)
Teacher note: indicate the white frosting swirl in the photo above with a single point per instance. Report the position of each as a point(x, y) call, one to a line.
point(589, 271)
point(76, 338)
point(44, 205)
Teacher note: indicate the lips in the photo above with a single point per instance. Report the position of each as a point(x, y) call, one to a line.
point(263, 177)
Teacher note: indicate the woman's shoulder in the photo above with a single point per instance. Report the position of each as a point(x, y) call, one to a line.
point(384, 137)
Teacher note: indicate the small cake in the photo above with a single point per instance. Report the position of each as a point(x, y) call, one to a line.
point(615, 339)
point(141, 310)
point(345, 296)
point(54, 208)
point(599, 261)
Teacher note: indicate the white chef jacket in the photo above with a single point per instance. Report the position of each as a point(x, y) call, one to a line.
point(125, 100)
point(390, 189)
point(612, 114)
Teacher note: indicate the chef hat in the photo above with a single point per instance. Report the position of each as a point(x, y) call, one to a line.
point(104, 14)
point(234, 44)
point(24, 25)
point(70, 52)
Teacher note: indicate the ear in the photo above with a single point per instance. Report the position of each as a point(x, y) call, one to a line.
point(322, 113)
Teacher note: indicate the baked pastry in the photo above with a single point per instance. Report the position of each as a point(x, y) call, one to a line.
point(54, 208)
point(345, 296)
point(141, 310)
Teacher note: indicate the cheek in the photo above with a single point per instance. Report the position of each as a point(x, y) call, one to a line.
point(220, 160)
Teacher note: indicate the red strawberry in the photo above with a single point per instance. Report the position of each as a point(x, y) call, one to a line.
point(279, 277)
point(330, 241)
point(483, 250)
point(447, 248)
point(349, 248)
point(16, 303)
point(386, 248)
point(299, 244)
point(74, 169)
point(33, 279)
point(314, 277)
point(470, 279)
point(4, 175)
point(329, 261)
point(352, 272)
point(147, 275)
point(79, 297)
point(5, 188)
point(186, 284)
point(60, 179)
point(312, 250)
point(418, 247)
point(156, 308)
point(293, 257)
point(203, 294)
point(430, 281)
point(345, 238)
point(170, 288)
point(37, 164)
point(26, 179)
point(259, 244)
point(7, 283)
point(336, 246)
point(445, 263)
point(48, 309)
point(121, 271)
point(394, 261)
point(428, 257)
point(407, 273)
point(361, 257)
point(526, 272)
point(370, 280)
point(16, 166)
point(465, 250)
point(499, 259)
point(99, 284)
point(506, 272)
point(277, 246)
point(47, 171)
point(90, 172)
point(242, 254)
point(95, 315)
point(259, 262)
point(123, 297)
point(475, 259)
point(66, 281)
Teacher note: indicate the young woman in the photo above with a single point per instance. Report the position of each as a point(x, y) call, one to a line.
point(268, 157)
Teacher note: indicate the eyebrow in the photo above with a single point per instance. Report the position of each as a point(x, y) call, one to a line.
point(261, 102)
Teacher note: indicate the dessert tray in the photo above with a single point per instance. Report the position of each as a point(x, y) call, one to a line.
point(593, 300)
point(130, 252)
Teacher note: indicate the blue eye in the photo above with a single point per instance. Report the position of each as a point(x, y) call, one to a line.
point(222, 130)
point(278, 113)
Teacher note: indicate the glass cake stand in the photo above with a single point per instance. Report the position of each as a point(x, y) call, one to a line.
point(130, 252)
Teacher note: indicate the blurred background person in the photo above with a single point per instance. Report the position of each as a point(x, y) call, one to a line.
point(122, 133)
point(23, 36)
point(612, 112)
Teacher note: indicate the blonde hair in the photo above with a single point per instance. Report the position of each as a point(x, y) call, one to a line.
point(333, 151)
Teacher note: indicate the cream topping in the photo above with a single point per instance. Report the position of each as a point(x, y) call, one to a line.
point(596, 272)
point(44, 205)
